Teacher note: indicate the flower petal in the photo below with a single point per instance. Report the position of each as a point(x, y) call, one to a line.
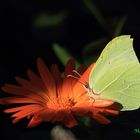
point(34, 122)
point(20, 91)
point(82, 109)
point(57, 77)
point(27, 85)
point(69, 120)
point(111, 112)
point(46, 114)
point(36, 81)
point(85, 75)
point(67, 82)
point(100, 118)
point(70, 66)
point(56, 74)
point(78, 87)
point(47, 78)
point(63, 116)
point(102, 103)
point(24, 107)
point(12, 100)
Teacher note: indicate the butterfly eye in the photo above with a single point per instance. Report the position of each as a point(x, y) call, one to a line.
point(86, 86)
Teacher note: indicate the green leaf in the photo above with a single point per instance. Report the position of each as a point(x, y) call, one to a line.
point(92, 50)
point(84, 121)
point(63, 55)
point(94, 45)
point(96, 12)
point(119, 27)
point(47, 20)
point(87, 121)
point(91, 60)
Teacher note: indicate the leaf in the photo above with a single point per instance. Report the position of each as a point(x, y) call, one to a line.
point(84, 121)
point(63, 55)
point(94, 45)
point(96, 12)
point(91, 60)
point(119, 27)
point(92, 50)
point(47, 20)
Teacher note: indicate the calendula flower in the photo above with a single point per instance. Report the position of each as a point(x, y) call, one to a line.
point(51, 97)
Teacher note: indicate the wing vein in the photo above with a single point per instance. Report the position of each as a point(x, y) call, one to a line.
point(109, 84)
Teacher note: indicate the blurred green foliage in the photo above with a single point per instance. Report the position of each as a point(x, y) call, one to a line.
point(49, 20)
point(64, 55)
point(84, 120)
point(92, 50)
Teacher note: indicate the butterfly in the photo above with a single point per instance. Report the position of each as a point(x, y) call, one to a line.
point(116, 74)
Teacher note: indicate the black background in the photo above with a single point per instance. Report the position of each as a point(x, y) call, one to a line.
point(21, 44)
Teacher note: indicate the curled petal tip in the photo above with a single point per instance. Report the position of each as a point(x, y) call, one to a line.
point(102, 103)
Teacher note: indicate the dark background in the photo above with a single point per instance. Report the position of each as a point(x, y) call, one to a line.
point(22, 43)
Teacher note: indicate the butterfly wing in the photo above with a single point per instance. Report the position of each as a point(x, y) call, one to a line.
point(116, 74)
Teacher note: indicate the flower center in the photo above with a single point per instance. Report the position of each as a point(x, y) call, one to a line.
point(61, 103)
point(70, 102)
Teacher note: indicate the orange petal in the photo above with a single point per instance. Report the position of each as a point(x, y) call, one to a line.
point(81, 110)
point(102, 103)
point(57, 77)
point(36, 81)
point(85, 75)
point(27, 85)
point(66, 89)
point(81, 69)
point(69, 120)
point(20, 91)
point(46, 114)
point(47, 78)
point(34, 122)
point(79, 88)
point(100, 118)
point(70, 66)
point(67, 82)
point(56, 74)
point(16, 120)
point(24, 107)
point(111, 111)
point(24, 113)
point(15, 90)
point(12, 100)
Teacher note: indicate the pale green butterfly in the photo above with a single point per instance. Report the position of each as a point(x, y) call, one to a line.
point(116, 74)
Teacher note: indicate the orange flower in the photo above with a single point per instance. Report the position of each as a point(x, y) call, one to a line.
point(53, 98)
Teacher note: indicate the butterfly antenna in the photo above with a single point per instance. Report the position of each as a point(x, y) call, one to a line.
point(76, 78)
point(73, 76)
point(77, 73)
